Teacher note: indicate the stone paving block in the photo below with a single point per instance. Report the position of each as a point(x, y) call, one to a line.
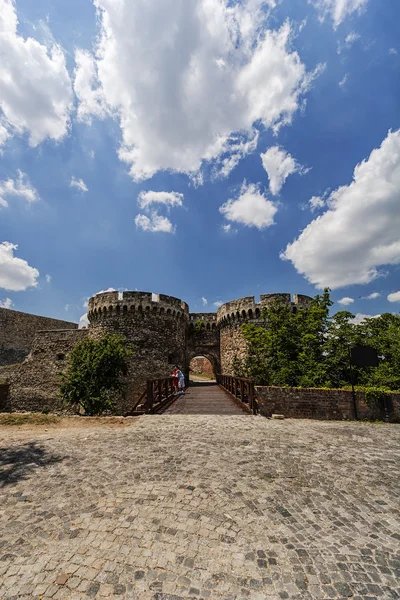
point(204, 506)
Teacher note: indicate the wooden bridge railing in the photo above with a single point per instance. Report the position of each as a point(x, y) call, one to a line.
point(158, 393)
point(241, 389)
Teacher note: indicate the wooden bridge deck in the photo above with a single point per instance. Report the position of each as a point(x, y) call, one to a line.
point(204, 399)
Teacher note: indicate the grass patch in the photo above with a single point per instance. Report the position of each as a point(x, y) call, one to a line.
point(28, 418)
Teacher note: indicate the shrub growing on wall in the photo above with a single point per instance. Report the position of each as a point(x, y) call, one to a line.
point(95, 374)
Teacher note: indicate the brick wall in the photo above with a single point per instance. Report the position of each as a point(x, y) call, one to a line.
point(312, 403)
point(4, 397)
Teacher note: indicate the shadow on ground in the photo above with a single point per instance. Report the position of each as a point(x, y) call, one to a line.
point(19, 462)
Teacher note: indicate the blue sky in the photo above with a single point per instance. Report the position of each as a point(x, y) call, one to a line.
point(208, 149)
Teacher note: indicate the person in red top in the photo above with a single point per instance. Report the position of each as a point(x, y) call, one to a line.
point(175, 379)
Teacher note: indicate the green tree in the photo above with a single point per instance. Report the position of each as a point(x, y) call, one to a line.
point(94, 377)
point(342, 335)
point(383, 334)
point(313, 327)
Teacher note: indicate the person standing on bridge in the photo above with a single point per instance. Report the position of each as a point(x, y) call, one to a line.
point(175, 378)
point(181, 382)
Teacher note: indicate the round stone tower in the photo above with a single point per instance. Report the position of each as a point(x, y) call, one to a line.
point(232, 315)
point(156, 325)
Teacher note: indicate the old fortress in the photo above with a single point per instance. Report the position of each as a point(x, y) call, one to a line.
point(34, 350)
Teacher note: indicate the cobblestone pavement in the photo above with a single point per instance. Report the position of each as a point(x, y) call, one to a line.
point(201, 506)
point(205, 398)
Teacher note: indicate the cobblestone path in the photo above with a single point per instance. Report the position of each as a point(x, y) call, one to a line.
point(203, 399)
point(201, 506)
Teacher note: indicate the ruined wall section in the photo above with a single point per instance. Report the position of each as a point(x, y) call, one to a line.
point(155, 325)
point(35, 382)
point(232, 315)
point(17, 332)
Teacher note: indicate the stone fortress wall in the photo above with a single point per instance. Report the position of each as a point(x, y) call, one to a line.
point(232, 315)
point(17, 332)
point(162, 332)
point(155, 324)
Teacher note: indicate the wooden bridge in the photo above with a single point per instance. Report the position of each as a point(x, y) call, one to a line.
point(226, 396)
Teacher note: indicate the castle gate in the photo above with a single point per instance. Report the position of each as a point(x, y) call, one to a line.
point(203, 340)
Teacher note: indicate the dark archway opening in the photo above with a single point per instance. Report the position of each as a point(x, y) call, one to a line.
point(201, 369)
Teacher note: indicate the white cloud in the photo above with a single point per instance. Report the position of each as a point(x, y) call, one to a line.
point(250, 208)
point(316, 202)
point(393, 52)
point(154, 223)
point(188, 80)
point(48, 278)
point(350, 39)
point(372, 296)
point(204, 301)
point(15, 273)
point(218, 303)
point(170, 199)
point(5, 134)
point(66, 307)
point(346, 301)
point(395, 297)
point(35, 88)
point(338, 10)
point(91, 100)
point(110, 289)
point(20, 187)
point(343, 81)
point(279, 164)
point(79, 184)
point(361, 230)
point(83, 321)
point(359, 318)
point(7, 303)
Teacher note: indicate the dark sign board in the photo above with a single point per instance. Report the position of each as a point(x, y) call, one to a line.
point(364, 356)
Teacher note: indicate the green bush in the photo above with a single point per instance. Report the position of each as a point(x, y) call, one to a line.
point(95, 374)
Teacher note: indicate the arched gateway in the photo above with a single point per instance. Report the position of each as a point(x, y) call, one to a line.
point(162, 331)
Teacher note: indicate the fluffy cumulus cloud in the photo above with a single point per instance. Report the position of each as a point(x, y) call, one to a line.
point(279, 164)
point(188, 80)
point(360, 231)
point(250, 208)
point(7, 303)
point(154, 223)
point(204, 301)
point(338, 10)
point(15, 273)
point(359, 318)
point(19, 187)
point(146, 199)
point(316, 202)
point(395, 297)
point(35, 88)
point(372, 296)
point(78, 184)
point(346, 301)
point(84, 321)
point(217, 303)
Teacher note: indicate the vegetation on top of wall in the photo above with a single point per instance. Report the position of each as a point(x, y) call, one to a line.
point(199, 326)
point(95, 374)
point(310, 348)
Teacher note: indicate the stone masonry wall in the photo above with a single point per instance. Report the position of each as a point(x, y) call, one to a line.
point(17, 331)
point(312, 403)
point(201, 365)
point(155, 325)
point(35, 382)
point(232, 315)
point(4, 397)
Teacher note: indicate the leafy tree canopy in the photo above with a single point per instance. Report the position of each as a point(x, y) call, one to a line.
point(95, 374)
point(309, 348)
